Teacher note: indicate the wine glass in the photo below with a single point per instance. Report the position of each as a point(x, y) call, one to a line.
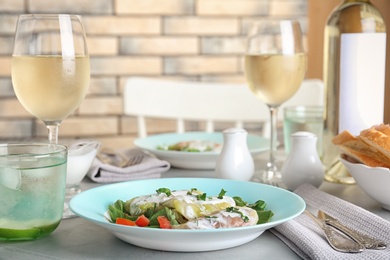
point(50, 70)
point(275, 66)
point(50, 67)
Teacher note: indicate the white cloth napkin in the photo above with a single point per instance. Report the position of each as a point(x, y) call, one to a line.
point(305, 238)
point(147, 167)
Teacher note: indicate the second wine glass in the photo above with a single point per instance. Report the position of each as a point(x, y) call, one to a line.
point(50, 67)
point(275, 66)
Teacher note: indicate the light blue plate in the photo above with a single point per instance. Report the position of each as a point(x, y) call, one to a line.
point(93, 204)
point(192, 160)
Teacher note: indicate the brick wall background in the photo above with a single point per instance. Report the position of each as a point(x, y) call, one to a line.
point(198, 40)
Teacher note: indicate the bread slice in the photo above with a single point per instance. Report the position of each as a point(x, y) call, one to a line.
point(343, 137)
point(377, 139)
point(383, 128)
point(360, 151)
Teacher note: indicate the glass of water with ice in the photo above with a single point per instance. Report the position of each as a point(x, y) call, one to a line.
point(32, 189)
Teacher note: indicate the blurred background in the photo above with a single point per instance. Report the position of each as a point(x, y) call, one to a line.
point(196, 40)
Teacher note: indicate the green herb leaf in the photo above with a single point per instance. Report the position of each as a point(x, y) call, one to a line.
point(221, 194)
point(192, 190)
point(264, 216)
point(236, 210)
point(164, 190)
point(192, 150)
point(239, 202)
point(201, 196)
point(258, 205)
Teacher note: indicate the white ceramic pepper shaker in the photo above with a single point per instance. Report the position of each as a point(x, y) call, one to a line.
point(303, 165)
point(235, 161)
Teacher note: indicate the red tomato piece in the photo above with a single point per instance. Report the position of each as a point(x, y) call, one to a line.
point(125, 221)
point(142, 221)
point(164, 222)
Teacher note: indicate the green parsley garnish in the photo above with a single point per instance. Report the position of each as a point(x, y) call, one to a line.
point(221, 194)
point(164, 190)
point(201, 196)
point(258, 205)
point(190, 192)
point(239, 202)
point(235, 210)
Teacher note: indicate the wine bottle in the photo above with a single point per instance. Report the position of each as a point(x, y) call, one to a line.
point(354, 76)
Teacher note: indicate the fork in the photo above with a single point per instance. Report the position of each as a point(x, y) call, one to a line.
point(109, 156)
point(367, 241)
point(134, 160)
point(338, 241)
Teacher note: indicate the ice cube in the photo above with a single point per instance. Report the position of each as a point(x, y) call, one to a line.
point(11, 178)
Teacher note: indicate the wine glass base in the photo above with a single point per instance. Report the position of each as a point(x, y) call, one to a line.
point(270, 178)
point(69, 194)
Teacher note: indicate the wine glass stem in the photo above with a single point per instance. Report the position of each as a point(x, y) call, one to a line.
point(271, 166)
point(53, 132)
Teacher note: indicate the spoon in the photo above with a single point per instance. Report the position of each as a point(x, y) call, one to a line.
point(337, 240)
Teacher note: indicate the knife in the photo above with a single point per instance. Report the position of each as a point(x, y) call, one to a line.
point(367, 241)
point(338, 241)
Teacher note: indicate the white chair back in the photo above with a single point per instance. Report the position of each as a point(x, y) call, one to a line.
point(199, 101)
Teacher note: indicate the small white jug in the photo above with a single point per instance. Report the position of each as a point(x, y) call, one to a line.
point(235, 161)
point(303, 165)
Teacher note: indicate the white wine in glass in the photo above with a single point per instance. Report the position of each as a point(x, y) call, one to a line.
point(275, 66)
point(50, 67)
point(50, 70)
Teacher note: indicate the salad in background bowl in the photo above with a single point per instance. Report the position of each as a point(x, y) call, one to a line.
point(208, 144)
point(192, 146)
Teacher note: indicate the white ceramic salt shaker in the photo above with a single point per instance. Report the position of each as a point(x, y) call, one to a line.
point(303, 165)
point(235, 161)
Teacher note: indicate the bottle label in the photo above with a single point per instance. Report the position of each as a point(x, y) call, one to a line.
point(362, 80)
